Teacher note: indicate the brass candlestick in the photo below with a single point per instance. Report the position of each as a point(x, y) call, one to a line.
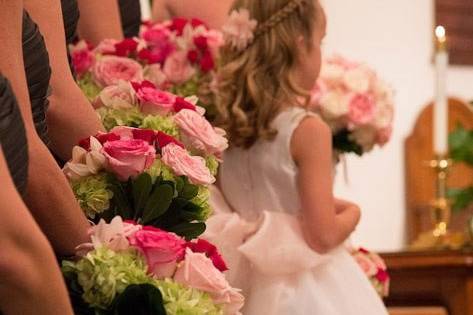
point(440, 206)
point(439, 237)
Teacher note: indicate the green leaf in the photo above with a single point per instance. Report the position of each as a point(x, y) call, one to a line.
point(158, 202)
point(189, 191)
point(120, 200)
point(141, 187)
point(342, 142)
point(189, 230)
point(140, 299)
point(461, 198)
point(180, 182)
point(461, 145)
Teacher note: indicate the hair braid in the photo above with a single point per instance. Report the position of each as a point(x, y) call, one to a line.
point(278, 17)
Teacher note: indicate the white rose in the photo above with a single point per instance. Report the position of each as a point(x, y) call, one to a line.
point(334, 105)
point(357, 80)
point(119, 96)
point(331, 73)
point(384, 115)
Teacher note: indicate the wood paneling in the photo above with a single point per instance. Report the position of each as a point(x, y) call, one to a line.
point(456, 16)
point(441, 278)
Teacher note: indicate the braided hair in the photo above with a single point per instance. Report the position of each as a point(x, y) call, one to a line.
point(256, 82)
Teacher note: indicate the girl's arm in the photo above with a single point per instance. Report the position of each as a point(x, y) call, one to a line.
point(31, 282)
point(70, 116)
point(49, 195)
point(326, 223)
point(99, 19)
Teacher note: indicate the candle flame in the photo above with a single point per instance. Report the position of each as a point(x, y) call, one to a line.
point(440, 32)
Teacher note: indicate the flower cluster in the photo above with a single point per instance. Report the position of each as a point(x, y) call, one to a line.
point(158, 271)
point(374, 268)
point(148, 175)
point(179, 56)
point(357, 105)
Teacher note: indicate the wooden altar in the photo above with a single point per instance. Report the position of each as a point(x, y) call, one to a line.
point(438, 278)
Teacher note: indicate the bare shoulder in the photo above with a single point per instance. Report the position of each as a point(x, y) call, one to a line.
point(312, 136)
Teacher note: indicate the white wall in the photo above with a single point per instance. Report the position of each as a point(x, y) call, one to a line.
point(394, 37)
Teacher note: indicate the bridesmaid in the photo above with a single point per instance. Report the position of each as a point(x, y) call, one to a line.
point(70, 117)
point(212, 12)
point(49, 196)
point(123, 19)
point(31, 280)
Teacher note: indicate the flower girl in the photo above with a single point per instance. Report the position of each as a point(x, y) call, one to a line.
point(284, 237)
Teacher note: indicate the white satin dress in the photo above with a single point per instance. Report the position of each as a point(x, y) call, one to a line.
point(263, 244)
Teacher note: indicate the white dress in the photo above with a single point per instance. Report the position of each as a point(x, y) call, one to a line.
point(263, 244)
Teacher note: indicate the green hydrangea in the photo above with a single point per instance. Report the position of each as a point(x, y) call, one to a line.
point(159, 169)
point(131, 117)
point(161, 123)
point(212, 164)
point(103, 274)
point(93, 194)
point(179, 300)
point(202, 200)
point(190, 87)
point(89, 87)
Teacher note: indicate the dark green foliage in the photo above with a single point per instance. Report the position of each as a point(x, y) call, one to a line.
point(139, 299)
point(342, 143)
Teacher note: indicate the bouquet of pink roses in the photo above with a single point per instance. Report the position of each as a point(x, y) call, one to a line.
point(144, 175)
point(374, 268)
point(356, 104)
point(128, 268)
point(178, 56)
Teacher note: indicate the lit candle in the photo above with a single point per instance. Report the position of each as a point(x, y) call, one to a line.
point(441, 98)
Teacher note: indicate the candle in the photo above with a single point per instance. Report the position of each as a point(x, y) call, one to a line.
point(441, 99)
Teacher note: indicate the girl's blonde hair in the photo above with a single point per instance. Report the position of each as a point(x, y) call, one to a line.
point(254, 83)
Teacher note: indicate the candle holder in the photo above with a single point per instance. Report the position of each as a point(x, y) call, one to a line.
point(440, 237)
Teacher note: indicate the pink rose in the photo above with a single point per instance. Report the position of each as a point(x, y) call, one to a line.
point(197, 271)
point(112, 235)
point(203, 246)
point(106, 47)
point(177, 67)
point(164, 139)
point(126, 47)
point(162, 250)
point(200, 133)
point(130, 133)
point(366, 264)
point(361, 109)
point(82, 58)
point(155, 74)
point(181, 104)
point(108, 70)
point(183, 164)
point(214, 40)
point(384, 135)
point(154, 101)
point(128, 158)
point(119, 96)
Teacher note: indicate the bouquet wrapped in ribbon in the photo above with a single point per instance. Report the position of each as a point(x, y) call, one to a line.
point(128, 268)
point(179, 56)
point(147, 176)
point(356, 104)
point(374, 268)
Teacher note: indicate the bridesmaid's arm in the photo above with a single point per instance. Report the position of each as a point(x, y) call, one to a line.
point(49, 195)
point(160, 11)
point(327, 222)
point(70, 117)
point(31, 281)
point(99, 20)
